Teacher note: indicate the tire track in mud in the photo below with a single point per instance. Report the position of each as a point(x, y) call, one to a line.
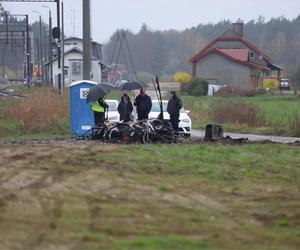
point(23, 168)
point(41, 165)
point(26, 170)
point(27, 173)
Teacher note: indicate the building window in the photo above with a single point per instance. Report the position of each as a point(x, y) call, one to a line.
point(76, 68)
point(104, 77)
point(251, 55)
point(66, 72)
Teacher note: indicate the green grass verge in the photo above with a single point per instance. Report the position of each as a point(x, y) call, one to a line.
point(12, 130)
point(164, 243)
point(218, 162)
point(279, 112)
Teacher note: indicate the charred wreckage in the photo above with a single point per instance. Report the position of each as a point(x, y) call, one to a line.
point(140, 131)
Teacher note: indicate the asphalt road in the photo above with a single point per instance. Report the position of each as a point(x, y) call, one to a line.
point(251, 137)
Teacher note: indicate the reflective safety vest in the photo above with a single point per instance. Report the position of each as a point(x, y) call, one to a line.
point(96, 107)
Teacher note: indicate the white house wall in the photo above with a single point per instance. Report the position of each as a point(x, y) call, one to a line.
point(73, 57)
point(70, 44)
point(96, 71)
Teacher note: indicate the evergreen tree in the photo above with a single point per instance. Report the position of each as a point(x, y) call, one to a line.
point(166, 52)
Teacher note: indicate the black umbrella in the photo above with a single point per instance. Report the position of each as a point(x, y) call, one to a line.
point(99, 90)
point(132, 85)
point(107, 86)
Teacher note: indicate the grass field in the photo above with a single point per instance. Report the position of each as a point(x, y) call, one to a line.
point(277, 115)
point(281, 114)
point(43, 115)
point(80, 195)
point(72, 194)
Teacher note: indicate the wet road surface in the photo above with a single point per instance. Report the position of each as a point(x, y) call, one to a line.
point(252, 137)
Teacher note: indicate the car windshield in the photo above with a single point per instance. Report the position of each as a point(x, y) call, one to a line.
point(156, 107)
point(112, 105)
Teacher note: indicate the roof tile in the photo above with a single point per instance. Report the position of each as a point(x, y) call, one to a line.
point(239, 54)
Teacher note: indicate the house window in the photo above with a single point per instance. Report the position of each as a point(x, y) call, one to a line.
point(76, 68)
point(66, 72)
point(251, 55)
point(104, 77)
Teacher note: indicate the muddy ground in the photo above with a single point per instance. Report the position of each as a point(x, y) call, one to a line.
point(81, 195)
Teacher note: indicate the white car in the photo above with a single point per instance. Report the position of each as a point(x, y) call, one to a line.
point(185, 122)
point(113, 114)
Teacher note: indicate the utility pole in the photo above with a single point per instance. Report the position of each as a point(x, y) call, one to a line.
point(63, 48)
point(86, 29)
point(50, 49)
point(50, 69)
point(41, 49)
point(3, 62)
point(58, 47)
point(38, 57)
point(28, 78)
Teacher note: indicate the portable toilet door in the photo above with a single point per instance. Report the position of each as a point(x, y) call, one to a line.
point(82, 117)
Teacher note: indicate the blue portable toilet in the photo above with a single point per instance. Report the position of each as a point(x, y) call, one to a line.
point(82, 117)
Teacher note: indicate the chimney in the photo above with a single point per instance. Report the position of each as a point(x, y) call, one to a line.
point(238, 28)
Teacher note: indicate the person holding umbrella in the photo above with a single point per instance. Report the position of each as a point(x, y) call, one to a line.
point(99, 107)
point(173, 108)
point(125, 108)
point(143, 105)
point(96, 97)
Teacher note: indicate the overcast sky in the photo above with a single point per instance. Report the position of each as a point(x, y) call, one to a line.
point(109, 15)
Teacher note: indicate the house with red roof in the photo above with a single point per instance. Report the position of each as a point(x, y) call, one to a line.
point(230, 59)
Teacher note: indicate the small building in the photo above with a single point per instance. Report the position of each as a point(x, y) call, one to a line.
point(117, 73)
point(230, 59)
point(73, 60)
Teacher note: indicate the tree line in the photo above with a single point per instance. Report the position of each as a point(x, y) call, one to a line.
point(165, 52)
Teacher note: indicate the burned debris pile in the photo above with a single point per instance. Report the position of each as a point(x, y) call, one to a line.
point(143, 131)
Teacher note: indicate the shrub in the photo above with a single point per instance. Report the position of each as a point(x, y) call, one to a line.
point(234, 91)
point(197, 87)
point(294, 123)
point(42, 110)
point(182, 77)
point(239, 91)
point(227, 111)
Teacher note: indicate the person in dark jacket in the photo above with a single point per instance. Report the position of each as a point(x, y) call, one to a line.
point(99, 107)
point(143, 105)
point(125, 108)
point(174, 106)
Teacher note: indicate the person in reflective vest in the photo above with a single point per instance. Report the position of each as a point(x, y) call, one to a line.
point(99, 107)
